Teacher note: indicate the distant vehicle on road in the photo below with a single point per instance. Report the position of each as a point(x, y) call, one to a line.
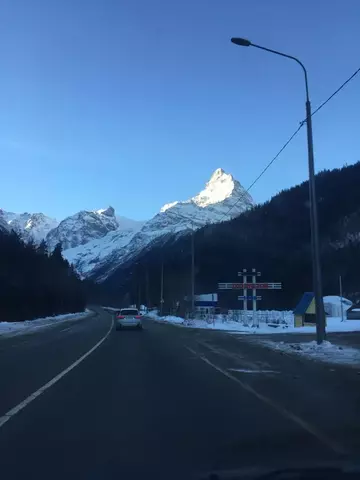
point(128, 317)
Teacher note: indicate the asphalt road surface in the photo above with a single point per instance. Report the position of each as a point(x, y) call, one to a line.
point(166, 402)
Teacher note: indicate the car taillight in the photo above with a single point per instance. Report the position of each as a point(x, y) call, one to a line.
point(138, 316)
point(120, 316)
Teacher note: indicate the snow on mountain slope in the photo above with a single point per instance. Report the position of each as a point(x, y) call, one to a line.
point(83, 227)
point(87, 257)
point(30, 226)
point(4, 227)
point(128, 224)
point(223, 198)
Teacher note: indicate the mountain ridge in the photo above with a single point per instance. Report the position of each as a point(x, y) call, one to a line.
point(222, 199)
point(97, 241)
point(30, 226)
point(273, 237)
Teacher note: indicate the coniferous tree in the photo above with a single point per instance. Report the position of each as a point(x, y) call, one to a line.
point(35, 284)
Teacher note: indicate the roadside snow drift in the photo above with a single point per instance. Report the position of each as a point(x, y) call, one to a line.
point(31, 326)
point(326, 352)
point(285, 325)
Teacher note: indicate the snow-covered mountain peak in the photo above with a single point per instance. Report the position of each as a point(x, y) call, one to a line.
point(167, 206)
point(30, 226)
point(109, 211)
point(4, 227)
point(97, 242)
point(220, 186)
point(218, 174)
point(82, 227)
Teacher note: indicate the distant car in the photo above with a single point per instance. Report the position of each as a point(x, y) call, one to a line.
point(353, 313)
point(128, 317)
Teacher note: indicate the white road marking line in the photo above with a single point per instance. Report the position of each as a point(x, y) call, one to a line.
point(246, 370)
point(65, 329)
point(192, 351)
point(337, 448)
point(8, 415)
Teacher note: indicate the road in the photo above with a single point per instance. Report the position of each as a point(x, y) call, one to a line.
point(167, 402)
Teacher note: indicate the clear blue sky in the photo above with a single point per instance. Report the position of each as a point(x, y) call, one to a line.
point(134, 103)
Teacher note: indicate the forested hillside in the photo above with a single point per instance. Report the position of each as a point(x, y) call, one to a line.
point(273, 237)
point(35, 284)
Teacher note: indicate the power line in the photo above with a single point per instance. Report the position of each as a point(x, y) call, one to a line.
point(256, 180)
point(284, 146)
point(288, 141)
point(264, 170)
point(337, 91)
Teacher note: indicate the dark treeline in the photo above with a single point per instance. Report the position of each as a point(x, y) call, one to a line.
point(34, 283)
point(273, 237)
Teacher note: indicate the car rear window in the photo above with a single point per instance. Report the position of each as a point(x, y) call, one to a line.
point(129, 311)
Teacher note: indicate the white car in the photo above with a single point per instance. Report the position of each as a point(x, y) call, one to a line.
point(128, 317)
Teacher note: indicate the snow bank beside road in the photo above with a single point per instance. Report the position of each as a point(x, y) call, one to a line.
point(167, 319)
point(333, 325)
point(326, 352)
point(222, 322)
point(30, 326)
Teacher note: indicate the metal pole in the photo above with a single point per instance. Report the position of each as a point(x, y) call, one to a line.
point(315, 244)
point(192, 271)
point(315, 248)
point(147, 296)
point(162, 288)
point(341, 298)
point(254, 298)
point(245, 297)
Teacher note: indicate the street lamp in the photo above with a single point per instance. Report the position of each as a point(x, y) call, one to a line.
point(315, 248)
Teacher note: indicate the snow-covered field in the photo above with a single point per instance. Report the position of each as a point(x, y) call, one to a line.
point(31, 326)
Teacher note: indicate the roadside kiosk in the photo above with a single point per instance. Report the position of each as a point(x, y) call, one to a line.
point(304, 312)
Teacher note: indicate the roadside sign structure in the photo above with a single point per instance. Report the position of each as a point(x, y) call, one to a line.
point(241, 286)
point(249, 297)
point(253, 286)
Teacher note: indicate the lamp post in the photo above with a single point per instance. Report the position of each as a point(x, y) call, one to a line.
point(315, 248)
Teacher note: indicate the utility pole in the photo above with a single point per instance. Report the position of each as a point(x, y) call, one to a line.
point(244, 276)
point(192, 262)
point(192, 271)
point(255, 322)
point(341, 298)
point(162, 288)
point(314, 224)
point(139, 296)
point(147, 297)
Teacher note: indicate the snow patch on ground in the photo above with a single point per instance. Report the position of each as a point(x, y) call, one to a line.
point(333, 325)
point(30, 326)
point(167, 319)
point(326, 352)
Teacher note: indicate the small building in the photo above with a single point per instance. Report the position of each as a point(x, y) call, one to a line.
point(304, 312)
point(206, 303)
point(336, 306)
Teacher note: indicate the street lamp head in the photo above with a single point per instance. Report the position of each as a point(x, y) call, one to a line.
point(241, 41)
